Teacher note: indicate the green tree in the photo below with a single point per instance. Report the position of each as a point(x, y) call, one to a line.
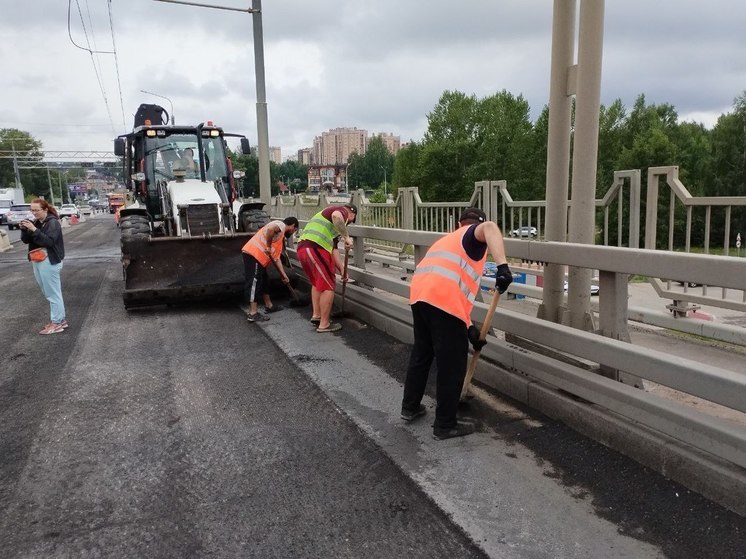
point(407, 171)
point(29, 150)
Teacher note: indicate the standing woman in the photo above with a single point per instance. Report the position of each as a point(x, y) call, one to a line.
point(43, 236)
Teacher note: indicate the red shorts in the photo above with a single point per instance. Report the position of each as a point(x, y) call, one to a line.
point(319, 266)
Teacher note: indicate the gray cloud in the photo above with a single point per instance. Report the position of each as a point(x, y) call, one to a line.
point(380, 66)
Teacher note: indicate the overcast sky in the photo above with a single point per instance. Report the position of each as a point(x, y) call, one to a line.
point(381, 65)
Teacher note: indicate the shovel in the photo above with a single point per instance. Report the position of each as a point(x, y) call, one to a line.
point(482, 336)
point(297, 301)
point(341, 312)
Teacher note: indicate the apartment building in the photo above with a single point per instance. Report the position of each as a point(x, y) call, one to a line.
point(392, 143)
point(275, 154)
point(335, 146)
point(304, 156)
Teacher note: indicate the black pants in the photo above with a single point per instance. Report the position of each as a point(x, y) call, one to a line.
point(255, 277)
point(440, 336)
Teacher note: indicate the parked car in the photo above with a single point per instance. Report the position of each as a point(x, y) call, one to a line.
point(85, 209)
point(524, 232)
point(68, 210)
point(594, 288)
point(17, 214)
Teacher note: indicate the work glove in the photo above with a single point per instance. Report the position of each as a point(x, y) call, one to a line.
point(503, 278)
point(474, 334)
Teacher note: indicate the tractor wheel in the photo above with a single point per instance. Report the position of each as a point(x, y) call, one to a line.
point(134, 228)
point(250, 221)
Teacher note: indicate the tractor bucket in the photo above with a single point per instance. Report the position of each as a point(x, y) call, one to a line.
point(174, 270)
point(169, 270)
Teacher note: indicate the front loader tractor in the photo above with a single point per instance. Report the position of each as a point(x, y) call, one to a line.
point(180, 239)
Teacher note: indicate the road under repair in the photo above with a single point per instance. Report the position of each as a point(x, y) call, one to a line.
point(186, 431)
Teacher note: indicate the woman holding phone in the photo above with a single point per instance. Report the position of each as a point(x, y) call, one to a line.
point(46, 251)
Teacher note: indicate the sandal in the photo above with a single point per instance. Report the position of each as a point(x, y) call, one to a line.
point(333, 327)
point(315, 321)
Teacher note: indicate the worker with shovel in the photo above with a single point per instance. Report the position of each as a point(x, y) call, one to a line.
point(316, 252)
point(442, 294)
point(265, 247)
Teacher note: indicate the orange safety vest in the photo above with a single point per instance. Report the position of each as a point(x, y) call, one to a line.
point(447, 278)
point(257, 244)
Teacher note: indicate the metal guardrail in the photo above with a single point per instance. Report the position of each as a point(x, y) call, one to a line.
point(707, 433)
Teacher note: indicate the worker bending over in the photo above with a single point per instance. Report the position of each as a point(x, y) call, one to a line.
point(264, 247)
point(316, 252)
point(442, 294)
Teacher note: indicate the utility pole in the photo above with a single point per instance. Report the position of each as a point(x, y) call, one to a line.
point(15, 166)
point(385, 190)
point(261, 95)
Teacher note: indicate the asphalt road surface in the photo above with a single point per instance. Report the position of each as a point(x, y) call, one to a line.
point(187, 432)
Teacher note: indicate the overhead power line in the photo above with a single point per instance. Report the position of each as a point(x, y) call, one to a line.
point(90, 52)
point(116, 62)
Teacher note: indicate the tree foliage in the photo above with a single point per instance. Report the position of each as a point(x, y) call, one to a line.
point(373, 168)
point(469, 139)
point(28, 149)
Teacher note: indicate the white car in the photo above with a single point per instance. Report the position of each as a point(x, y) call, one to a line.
point(594, 288)
point(85, 209)
point(524, 232)
point(17, 214)
point(68, 210)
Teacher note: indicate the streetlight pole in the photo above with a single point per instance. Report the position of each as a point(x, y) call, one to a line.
point(173, 118)
point(385, 192)
point(261, 96)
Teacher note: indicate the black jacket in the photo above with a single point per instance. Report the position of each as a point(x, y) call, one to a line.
point(48, 235)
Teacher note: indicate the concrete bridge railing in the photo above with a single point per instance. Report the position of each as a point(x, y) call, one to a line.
point(599, 368)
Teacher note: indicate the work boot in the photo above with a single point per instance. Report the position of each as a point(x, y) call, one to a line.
point(409, 415)
point(458, 430)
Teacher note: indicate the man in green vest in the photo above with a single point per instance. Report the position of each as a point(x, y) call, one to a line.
point(320, 259)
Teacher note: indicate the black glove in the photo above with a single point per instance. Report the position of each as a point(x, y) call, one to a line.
point(503, 278)
point(476, 343)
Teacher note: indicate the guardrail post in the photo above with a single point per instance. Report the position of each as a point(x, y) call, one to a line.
point(613, 307)
point(406, 195)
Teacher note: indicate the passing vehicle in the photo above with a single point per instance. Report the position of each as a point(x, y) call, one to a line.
point(17, 214)
point(85, 209)
point(594, 288)
point(68, 210)
point(9, 197)
point(525, 232)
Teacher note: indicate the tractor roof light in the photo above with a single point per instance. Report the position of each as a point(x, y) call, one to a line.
point(150, 133)
point(138, 177)
point(214, 133)
point(239, 174)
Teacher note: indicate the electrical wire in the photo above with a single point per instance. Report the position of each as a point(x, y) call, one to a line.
point(93, 61)
point(116, 63)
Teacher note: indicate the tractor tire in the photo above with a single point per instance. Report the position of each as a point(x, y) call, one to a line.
point(250, 221)
point(134, 229)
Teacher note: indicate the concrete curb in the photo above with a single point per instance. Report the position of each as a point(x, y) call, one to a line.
point(712, 477)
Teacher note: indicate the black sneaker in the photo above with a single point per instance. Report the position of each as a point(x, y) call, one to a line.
point(458, 430)
point(257, 317)
point(273, 308)
point(409, 415)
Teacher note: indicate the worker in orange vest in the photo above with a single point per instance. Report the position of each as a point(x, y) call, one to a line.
point(265, 247)
point(442, 294)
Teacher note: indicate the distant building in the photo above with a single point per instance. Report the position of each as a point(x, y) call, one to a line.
point(392, 143)
point(335, 146)
point(304, 156)
point(331, 178)
point(275, 155)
